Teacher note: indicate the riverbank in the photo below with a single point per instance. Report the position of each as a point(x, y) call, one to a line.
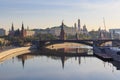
point(14, 51)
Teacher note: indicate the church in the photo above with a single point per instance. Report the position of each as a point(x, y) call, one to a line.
point(21, 33)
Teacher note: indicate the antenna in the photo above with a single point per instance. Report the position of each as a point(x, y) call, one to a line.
point(104, 27)
point(104, 23)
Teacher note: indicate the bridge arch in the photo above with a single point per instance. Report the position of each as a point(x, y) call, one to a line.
point(52, 42)
point(99, 42)
point(106, 43)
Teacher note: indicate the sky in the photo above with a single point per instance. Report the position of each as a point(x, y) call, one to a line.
point(50, 13)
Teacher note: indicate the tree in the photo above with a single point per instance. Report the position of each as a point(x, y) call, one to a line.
point(45, 37)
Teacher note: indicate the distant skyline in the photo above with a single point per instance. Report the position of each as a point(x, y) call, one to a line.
point(50, 13)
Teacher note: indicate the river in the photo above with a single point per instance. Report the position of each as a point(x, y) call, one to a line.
point(40, 65)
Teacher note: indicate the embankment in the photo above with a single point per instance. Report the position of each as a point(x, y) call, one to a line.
point(14, 52)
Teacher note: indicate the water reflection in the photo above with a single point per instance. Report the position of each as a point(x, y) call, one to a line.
point(63, 55)
point(60, 54)
point(60, 64)
point(116, 64)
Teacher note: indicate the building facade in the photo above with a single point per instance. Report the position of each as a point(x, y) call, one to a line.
point(62, 32)
point(29, 33)
point(115, 33)
point(21, 33)
point(2, 32)
point(79, 26)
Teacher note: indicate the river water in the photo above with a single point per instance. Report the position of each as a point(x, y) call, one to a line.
point(41, 65)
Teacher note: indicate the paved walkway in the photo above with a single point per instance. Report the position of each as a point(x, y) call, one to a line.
point(12, 51)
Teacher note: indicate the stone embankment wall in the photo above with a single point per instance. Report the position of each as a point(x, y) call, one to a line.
point(13, 51)
point(116, 43)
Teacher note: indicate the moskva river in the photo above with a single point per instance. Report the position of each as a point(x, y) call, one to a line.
point(66, 64)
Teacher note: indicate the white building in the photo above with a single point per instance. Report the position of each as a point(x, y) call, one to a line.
point(84, 30)
point(30, 33)
point(68, 31)
point(43, 31)
point(56, 31)
point(115, 33)
point(2, 32)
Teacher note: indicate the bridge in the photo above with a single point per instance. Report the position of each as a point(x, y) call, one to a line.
point(89, 42)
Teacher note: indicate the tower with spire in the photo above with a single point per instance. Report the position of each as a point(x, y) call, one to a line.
point(22, 26)
point(76, 32)
point(23, 32)
point(11, 31)
point(78, 25)
point(62, 32)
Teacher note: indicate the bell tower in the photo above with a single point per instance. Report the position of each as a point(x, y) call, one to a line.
point(62, 32)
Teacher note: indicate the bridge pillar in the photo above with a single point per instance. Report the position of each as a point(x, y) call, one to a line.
point(41, 44)
point(95, 45)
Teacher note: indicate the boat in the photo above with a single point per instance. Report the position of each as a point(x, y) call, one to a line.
point(114, 52)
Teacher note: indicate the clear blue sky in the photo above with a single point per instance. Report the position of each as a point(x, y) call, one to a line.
point(49, 13)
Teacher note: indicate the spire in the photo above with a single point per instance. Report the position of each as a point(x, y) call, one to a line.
point(23, 31)
point(79, 25)
point(105, 34)
point(62, 26)
point(104, 23)
point(62, 32)
point(62, 22)
point(12, 27)
point(76, 31)
point(22, 26)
